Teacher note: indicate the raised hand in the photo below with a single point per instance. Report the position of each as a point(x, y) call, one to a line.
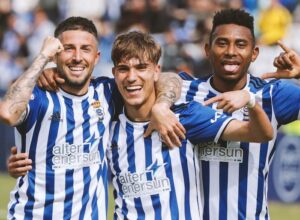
point(287, 63)
point(51, 47)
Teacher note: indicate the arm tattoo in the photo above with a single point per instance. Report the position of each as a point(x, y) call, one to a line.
point(168, 88)
point(20, 91)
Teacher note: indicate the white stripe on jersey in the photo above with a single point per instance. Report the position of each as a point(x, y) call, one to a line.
point(71, 162)
point(238, 190)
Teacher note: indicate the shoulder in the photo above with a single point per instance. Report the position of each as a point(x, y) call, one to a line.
point(258, 83)
point(102, 80)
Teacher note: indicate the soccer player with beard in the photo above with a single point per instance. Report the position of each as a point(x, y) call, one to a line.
point(235, 175)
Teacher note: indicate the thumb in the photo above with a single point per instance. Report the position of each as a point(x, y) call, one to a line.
point(149, 130)
point(13, 150)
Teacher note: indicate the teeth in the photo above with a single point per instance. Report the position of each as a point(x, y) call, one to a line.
point(130, 88)
point(231, 67)
point(76, 68)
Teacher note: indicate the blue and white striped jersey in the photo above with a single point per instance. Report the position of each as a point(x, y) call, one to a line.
point(66, 138)
point(150, 180)
point(235, 174)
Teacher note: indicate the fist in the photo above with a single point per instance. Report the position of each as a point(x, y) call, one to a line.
point(51, 47)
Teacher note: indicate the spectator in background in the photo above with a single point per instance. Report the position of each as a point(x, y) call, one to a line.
point(273, 23)
point(14, 40)
point(42, 27)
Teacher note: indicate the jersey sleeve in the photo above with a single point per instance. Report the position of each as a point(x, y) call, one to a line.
point(33, 108)
point(286, 102)
point(202, 123)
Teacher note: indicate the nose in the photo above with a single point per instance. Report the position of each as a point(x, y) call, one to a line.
point(131, 75)
point(77, 56)
point(230, 50)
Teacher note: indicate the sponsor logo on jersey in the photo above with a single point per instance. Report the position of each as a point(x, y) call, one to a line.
point(70, 156)
point(211, 151)
point(98, 109)
point(149, 182)
point(217, 115)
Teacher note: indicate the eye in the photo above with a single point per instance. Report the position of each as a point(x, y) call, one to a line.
point(121, 69)
point(241, 44)
point(221, 43)
point(142, 66)
point(87, 49)
point(66, 48)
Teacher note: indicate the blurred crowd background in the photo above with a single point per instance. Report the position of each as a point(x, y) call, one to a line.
point(180, 26)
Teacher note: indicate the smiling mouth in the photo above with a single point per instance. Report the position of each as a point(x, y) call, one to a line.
point(76, 70)
point(133, 88)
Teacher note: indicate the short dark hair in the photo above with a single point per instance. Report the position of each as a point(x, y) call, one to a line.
point(135, 44)
point(233, 16)
point(76, 23)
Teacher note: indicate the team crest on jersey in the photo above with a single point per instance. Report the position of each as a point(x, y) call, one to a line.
point(98, 109)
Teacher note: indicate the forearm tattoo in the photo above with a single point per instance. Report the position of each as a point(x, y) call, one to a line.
point(168, 88)
point(20, 91)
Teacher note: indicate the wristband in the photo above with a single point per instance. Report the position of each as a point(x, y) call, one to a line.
point(252, 101)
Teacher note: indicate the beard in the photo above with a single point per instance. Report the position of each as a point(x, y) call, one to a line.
point(74, 83)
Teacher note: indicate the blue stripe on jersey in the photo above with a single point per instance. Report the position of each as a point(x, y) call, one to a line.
point(267, 106)
point(86, 170)
point(105, 179)
point(192, 90)
point(32, 154)
point(223, 184)
point(155, 198)
point(49, 190)
point(69, 191)
point(243, 182)
point(205, 180)
point(116, 167)
point(185, 171)
point(132, 169)
point(186, 76)
point(256, 83)
point(173, 199)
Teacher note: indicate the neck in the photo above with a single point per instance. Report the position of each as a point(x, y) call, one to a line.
point(139, 113)
point(224, 85)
